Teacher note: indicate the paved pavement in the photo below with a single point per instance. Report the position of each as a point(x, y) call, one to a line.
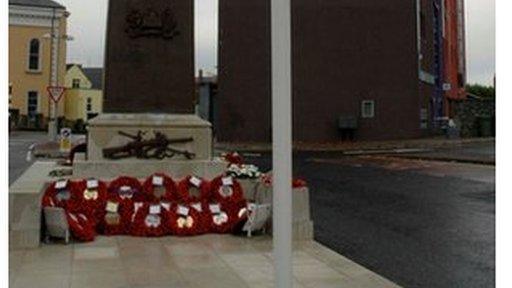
point(222, 261)
point(350, 146)
point(417, 223)
point(19, 143)
point(480, 153)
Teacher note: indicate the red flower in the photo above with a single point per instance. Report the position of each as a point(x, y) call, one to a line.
point(234, 158)
point(296, 182)
point(299, 183)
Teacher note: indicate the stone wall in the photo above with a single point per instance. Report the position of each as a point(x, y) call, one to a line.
point(469, 113)
point(22, 122)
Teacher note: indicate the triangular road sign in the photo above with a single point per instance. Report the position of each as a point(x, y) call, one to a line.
point(56, 92)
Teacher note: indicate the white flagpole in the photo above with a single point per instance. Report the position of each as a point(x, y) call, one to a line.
point(282, 141)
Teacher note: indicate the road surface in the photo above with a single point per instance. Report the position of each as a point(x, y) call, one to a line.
point(19, 143)
point(418, 223)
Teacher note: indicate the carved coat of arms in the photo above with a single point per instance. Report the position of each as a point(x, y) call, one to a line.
point(151, 23)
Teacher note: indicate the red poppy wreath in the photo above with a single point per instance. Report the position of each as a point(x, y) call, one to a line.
point(224, 219)
point(81, 226)
point(61, 194)
point(160, 187)
point(227, 191)
point(184, 220)
point(148, 220)
point(119, 208)
point(193, 189)
point(91, 195)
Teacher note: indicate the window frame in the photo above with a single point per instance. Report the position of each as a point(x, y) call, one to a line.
point(365, 115)
point(30, 105)
point(73, 83)
point(11, 89)
point(88, 105)
point(39, 53)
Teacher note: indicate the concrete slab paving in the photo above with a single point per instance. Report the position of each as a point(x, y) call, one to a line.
point(190, 262)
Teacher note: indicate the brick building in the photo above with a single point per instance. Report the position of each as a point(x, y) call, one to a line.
point(454, 50)
point(362, 69)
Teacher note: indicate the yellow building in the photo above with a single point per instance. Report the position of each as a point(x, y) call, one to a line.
point(37, 29)
point(84, 94)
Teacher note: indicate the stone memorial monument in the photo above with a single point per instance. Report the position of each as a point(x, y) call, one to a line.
point(149, 62)
point(149, 100)
point(149, 125)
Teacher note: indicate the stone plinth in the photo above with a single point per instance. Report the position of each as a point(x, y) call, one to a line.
point(302, 225)
point(177, 169)
point(25, 205)
point(104, 132)
point(25, 194)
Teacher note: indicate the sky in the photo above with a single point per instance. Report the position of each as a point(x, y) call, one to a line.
point(88, 20)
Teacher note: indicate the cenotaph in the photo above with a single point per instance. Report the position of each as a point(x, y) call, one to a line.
point(149, 124)
point(149, 99)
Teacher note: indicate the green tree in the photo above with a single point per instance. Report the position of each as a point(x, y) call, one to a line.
point(480, 90)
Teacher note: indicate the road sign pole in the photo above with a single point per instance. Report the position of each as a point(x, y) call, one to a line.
point(55, 94)
point(52, 124)
point(282, 141)
point(54, 64)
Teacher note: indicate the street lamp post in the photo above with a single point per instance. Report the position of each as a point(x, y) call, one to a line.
point(282, 141)
point(54, 63)
point(55, 38)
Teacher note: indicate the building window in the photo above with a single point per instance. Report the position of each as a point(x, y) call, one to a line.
point(76, 83)
point(10, 93)
point(32, 104)
point(423, 118)
point(89, 104)
point(368, 109)
point(34, 55)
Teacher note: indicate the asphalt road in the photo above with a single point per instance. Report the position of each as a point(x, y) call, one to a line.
point(19, 143)
point(418, 223)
